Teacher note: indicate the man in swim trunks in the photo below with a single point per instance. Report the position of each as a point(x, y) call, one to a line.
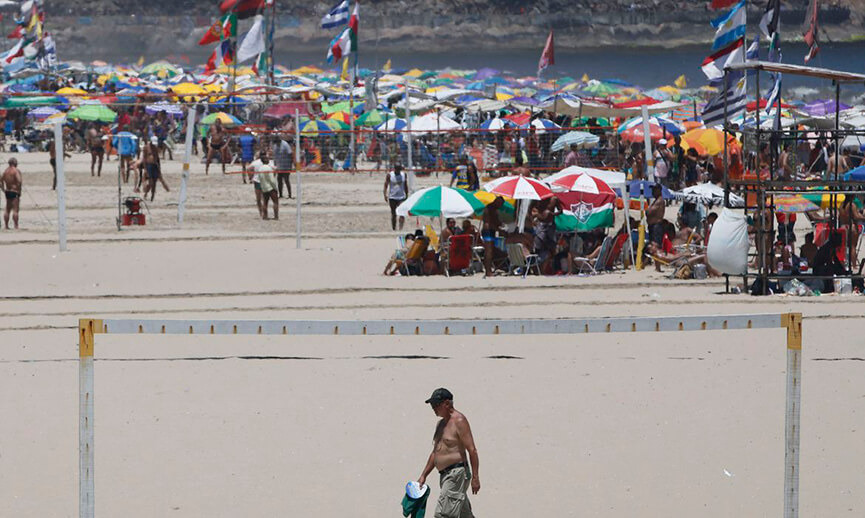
point(11, 183)
point(455, 456)
point(491, 224)
point(218, 145)
point(97, 149)
point(150, 156)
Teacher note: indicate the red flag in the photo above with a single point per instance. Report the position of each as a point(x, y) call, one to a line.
point(17, 33)
point(243, 8)
point(811, 31)
point(218, 31)
point(547, 56)
point(723, 4)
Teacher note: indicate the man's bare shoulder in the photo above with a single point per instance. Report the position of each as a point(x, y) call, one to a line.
point(458, 417)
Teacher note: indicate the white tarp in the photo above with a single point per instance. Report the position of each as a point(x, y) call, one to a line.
point(578, 108)
point(727, 251)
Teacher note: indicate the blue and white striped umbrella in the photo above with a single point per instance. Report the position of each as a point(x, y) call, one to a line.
point(543, 125)
point(42, 112)
point(582, 139)
point(497, 124)
point(669, 125)
point(392, 125)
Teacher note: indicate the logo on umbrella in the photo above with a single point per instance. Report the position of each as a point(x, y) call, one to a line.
point(582, 211)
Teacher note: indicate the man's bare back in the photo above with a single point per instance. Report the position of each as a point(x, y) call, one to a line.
point(11, 180)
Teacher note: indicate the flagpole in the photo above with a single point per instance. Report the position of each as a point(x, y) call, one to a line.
point(271, 59)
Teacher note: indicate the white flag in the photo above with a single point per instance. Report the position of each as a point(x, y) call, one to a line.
point(253, 43)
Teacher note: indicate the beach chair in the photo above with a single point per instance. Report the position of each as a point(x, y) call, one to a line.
point(597, 264)
point(457, 254)
point(518, 258)
point(414, 257)
point(433, 237)
point(615, 251)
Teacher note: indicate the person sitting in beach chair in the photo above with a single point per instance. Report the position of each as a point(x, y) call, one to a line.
point(396, 261)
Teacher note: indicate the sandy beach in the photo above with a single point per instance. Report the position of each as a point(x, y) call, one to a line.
point(666, 424)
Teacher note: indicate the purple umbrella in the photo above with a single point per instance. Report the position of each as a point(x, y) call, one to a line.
point(826, 107)
point(485, 73)
point(524, 100)
point(172, 110)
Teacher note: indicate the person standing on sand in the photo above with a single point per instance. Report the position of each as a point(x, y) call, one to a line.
point(150, 156)
point(97, 149)
point(11, 184)
point(452, 444)
point(52, 159)
point(395, 192)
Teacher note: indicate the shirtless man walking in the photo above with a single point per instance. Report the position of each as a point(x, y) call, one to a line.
point(453, 451)
point(97, 149)
point(11, 183)
point(150, 156)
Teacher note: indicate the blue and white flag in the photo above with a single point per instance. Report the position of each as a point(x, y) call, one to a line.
point(734, 97)
point(336, 17)
point(730, 27)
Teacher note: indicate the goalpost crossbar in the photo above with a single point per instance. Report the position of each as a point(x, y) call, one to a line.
point(88, 329)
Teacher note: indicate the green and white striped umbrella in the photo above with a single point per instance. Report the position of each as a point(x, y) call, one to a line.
point(441, 201)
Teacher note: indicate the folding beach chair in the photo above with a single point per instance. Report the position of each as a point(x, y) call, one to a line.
point(520, 259)
point(414, 257)
point(615, 251)
point(597, 264)
point(457, 254)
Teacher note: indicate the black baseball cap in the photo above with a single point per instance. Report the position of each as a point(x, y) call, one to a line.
point(439, 395)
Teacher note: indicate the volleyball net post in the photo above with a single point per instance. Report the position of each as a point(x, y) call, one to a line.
point(88, 329)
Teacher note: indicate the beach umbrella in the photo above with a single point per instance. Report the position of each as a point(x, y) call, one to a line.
point(600, 89)
point(707, 141)
point(392, 125)
point(343, 117)
point(172, 110)
point(582, 139)
point(791, 203)
point(161, 68)
point(337, 125)
point(855, 175)
point(434, 123)
point(42, 112)
point(708, 194)
point(657, 125)
point(611, 178)
point(93, 112)
point(825, 200)
point(371, 119)
point(70, 91)
point(311, 128)
point(227, 120)
point(440, 201)
point(519, 188)
point(824, 107)
point(543, 125)
point(496, 124)
point(581, 182)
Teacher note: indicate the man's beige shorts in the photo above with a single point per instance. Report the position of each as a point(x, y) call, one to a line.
point(453, 501)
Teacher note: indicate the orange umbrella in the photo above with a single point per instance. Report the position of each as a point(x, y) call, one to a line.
point(708, 141)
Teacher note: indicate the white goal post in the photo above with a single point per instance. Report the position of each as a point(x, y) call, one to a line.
point(88, 328)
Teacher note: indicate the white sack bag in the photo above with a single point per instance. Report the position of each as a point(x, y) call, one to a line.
point(727, 251)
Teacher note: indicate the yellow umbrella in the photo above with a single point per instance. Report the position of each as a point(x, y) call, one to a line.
point(71, 91)
point(415, 72)
point(307, 70)
point(708, 141)
point(670, 90)
point(188, 89)
point(227, 71)
point(501, 96)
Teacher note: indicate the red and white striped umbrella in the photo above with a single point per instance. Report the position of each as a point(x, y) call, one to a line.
point(519, 188)
point(583, 183)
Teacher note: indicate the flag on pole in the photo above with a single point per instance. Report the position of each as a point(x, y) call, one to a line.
point(14, 52)
point(730, 27)
point(736, 100)
point(260, 63)
point(242, 8)
point(253, 43)
point(811, 31)
point(713, 65)
point(336, 16)
point(344, 75)
point(769, 22)
point(222, 55)
point(547, 56)
point(346, 42)
point(222, 29)
point(722, 4)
